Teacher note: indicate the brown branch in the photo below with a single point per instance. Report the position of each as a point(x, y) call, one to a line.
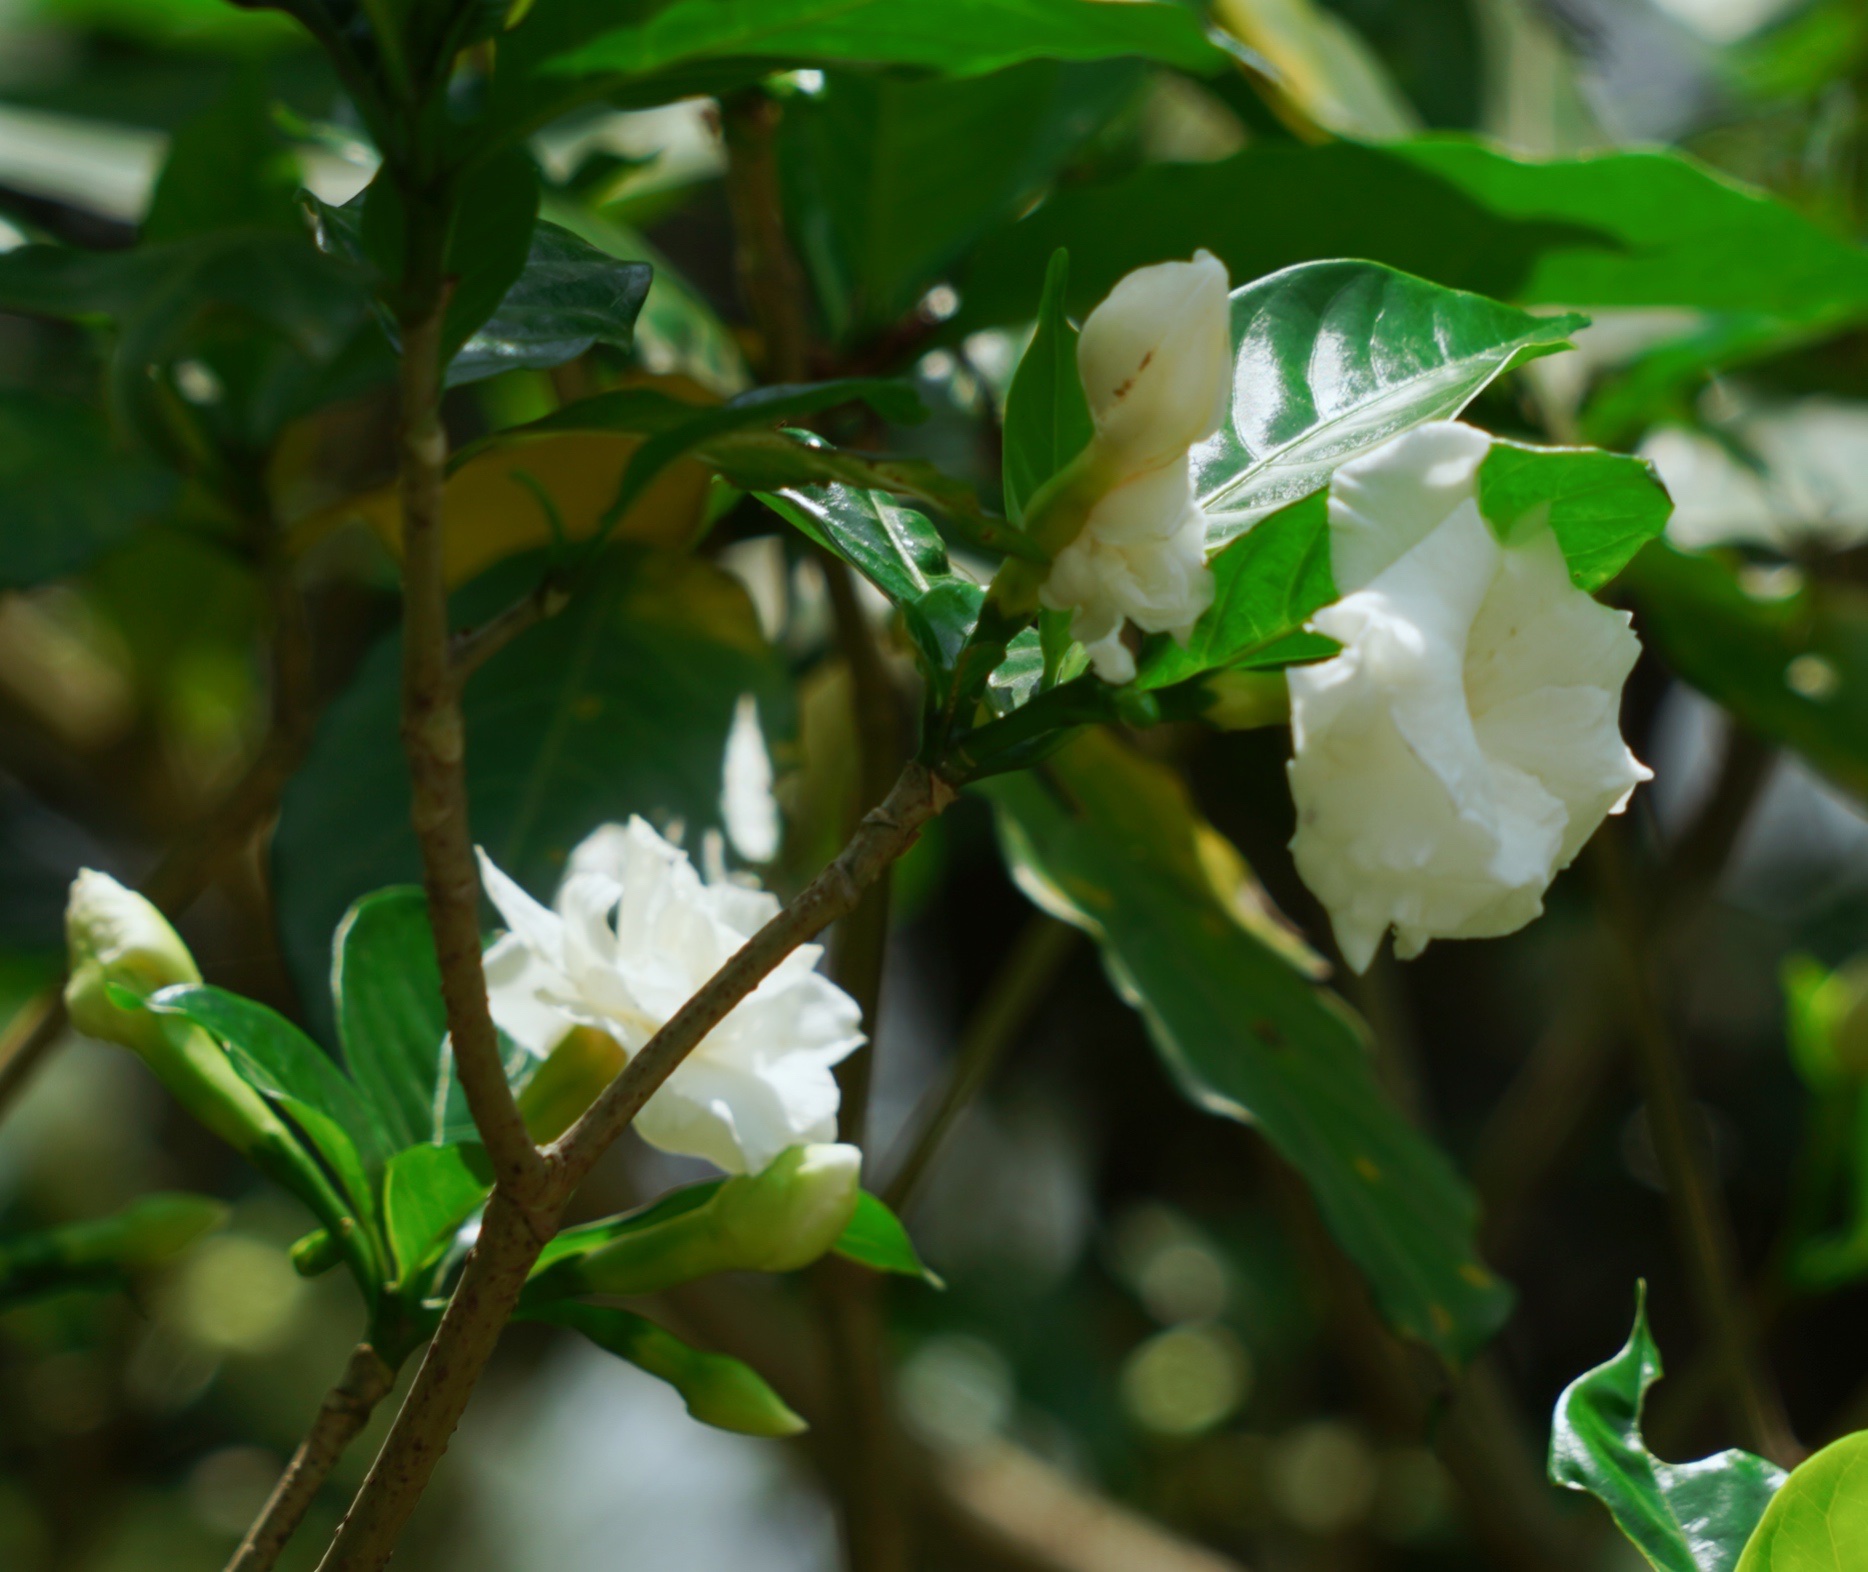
point(346, 1409)
point(1701, 1225)
point(770, 280)
point(1032, 965)
point(510, 1239)
point(434, 741)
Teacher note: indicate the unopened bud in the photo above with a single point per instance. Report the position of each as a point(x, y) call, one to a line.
point(119, 941)
point(789, 1215)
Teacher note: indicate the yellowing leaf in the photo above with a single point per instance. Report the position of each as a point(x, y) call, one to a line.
point(1327, 77)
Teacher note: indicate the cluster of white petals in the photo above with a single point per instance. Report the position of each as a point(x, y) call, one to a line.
point(1466, 742)
point(633, 934)
point(1156, 362)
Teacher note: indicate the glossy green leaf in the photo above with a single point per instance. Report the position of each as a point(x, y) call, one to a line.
point(67, 493)
point(890, 178)
point(1792, 667)
point(568, 296)
point(1334, 358)
point(1109, 842)
point(877, 1239)
point(386, 984)
point(280, 1061)
point(621, 704)
point(1818, 1521)
point(958, 37)
point(148, 1232)
point(1614, 229)
point(1684, 1517)
point(718, 1390)
point(428, 1192)
point(1047, 415)
point(892, 546)
point(1603, 507)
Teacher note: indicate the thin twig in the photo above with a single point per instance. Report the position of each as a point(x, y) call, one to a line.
point(1701, 1225)
point(29, 1037)
point(434, 740)
point(510, 1241)
point(471, 648)
point(346, 1409)
point(1025, 977)
point(770, 279)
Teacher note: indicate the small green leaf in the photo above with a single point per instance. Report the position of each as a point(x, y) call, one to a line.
point(1047, 415)
point(147, 1233)
point(428, 1192)
point(1109, 842)
point(1818, 1521)
point(1603, 507)
point(877, 1239)
point(892, 546)
point(386, 984)
point(1684, 1517)
point(1333, 359)
point(718, 1390)
point(572, 1244)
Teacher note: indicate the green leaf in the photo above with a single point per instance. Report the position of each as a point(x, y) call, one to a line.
point(67, 494)
point(1266, 585)
point(1792, 667)
point(386, 985)
point(718, 1390)
point(1614, 229)
point(1818, 1521)
point(620, 704)
point(489, 245)
point(572, 1244)
point(228, 168)
point(147, 1233)
point(877, 1239)
point(281, 1062)
point(1684, 1517)
point(569, 296)
point(428, 1192)
point(761, 407)
point(1603, 507)
point(1109, 842)
point(1047, 415)
point(958, 37)
point(1334, 358)
point(892, 546)
point(889, 178)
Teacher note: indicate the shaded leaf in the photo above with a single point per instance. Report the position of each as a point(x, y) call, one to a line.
point(148, 1232)
point(1110, 843)
point(386, 987)
point(1047, 414)
point(428, 1192)
point(1685, 1517)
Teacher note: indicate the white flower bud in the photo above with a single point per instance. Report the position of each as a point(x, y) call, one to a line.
point(1156, 363)
point(1466, 742)
point(117, 938)
point(789, 1215)
point(633, 934)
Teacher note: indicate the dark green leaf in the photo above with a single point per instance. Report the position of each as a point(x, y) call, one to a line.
point(428, 1192)
point(1335, 358)
point(1615, 229)
point(1685, 1517)
point(1110, 843)
point(1047, 416)
point(146, 1233)
point(877, 1239)
point(386, 986)
point(718, 1390)
point(339, 1153)
point(228, 168)
point(959, 37)
point(619, 705)
point(1603, 507)
point(569, 296)
point(889, 178)
point(490, 244)
point(66, 493)
point(1792, 667)
point(280, 1061)
point(1818, 1521)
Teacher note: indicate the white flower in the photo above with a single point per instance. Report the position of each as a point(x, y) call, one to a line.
point(747, 807)
point(1156, 363)
point(1466, 742)
point(634, 934)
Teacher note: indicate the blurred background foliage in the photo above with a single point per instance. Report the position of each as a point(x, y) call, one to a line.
point(1149, 1350)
